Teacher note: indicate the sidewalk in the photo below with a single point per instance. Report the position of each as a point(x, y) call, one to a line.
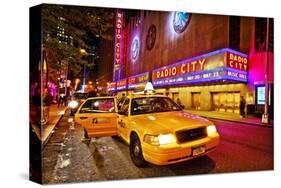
point(54, 117)
point(227, 116)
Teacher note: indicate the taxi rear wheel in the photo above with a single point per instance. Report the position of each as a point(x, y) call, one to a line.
point(136, 152)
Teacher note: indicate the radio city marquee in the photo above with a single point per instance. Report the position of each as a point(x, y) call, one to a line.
point(135, 81)
point(237, 61)
point(223, 64)
point(122, 84)
point(111, 86)
point(118, 41)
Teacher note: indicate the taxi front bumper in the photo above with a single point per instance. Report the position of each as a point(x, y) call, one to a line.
point(163, 155)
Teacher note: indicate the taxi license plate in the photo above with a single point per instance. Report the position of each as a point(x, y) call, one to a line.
point(198, 150)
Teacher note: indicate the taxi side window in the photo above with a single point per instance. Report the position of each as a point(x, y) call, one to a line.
point(120, 102)
point(125, 107)
point(98, 106)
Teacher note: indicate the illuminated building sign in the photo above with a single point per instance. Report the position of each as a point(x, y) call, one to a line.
point(260, 94)
point(224, 64)
point(122, 84)
point(180, 21)
point(237, 61)
point(135, 48)
point(137, 80)
point(184, 68)
point(111, 86)
point(117, 47)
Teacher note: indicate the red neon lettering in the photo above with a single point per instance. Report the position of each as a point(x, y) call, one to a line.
point(174, 71)
point(201, 62)
point(166, 72)
point(182, 68)
point(193, 65)
point(158, 74)
point(231, 63)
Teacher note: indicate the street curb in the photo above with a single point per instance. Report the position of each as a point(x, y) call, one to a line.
point(249, 123)
point(51, 132)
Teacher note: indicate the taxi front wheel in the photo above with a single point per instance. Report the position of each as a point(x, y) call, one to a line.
point(136, 152)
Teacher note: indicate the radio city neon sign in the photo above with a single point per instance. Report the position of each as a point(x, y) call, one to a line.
point(138, 78)
point(122, 84)
point(237, 62)
point(118, 37)
point(220, 64)
point(117, 47)
point(194, 66)
point(111, 86)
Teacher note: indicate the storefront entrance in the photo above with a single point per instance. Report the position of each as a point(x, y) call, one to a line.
point(196, 100)
point(226, 102)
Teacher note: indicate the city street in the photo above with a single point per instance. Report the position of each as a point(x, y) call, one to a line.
point(67, 159)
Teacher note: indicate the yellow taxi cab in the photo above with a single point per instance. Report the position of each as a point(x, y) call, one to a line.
point(156, 129)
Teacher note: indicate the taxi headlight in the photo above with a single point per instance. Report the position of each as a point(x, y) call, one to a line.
point(166, 139)
point(73, 104)
point(211, 129)
point(157, 140)
point(151, 139)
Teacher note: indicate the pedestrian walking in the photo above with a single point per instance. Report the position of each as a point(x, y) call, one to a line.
point(61, 99)
point(242, 107)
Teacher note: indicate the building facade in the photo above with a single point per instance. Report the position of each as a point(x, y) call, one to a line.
point(207, 61)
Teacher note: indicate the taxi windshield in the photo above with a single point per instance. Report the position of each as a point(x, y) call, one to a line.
point(147, 105)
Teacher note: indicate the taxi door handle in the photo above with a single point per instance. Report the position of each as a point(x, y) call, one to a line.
point(95, 120)
point(121, 123)
point(83, 117)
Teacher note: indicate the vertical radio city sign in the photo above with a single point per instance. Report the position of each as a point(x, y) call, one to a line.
point(223, 64)
point(117, 46)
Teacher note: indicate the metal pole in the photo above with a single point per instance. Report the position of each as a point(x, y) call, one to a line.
point(84, 77)
point(66, 75)
point(265, 118)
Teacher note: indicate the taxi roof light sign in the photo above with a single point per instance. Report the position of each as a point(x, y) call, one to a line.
point(148, 88)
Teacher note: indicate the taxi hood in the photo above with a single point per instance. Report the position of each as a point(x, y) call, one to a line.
point(169, 122)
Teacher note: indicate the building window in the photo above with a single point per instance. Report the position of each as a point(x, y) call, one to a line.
point(234, 32)
point(260, 35)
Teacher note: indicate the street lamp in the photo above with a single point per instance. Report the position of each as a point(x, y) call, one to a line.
point(83, 51)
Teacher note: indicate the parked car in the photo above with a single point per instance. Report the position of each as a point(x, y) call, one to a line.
point(156, 129)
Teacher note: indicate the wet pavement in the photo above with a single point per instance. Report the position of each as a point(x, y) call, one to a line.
point(68, 159)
